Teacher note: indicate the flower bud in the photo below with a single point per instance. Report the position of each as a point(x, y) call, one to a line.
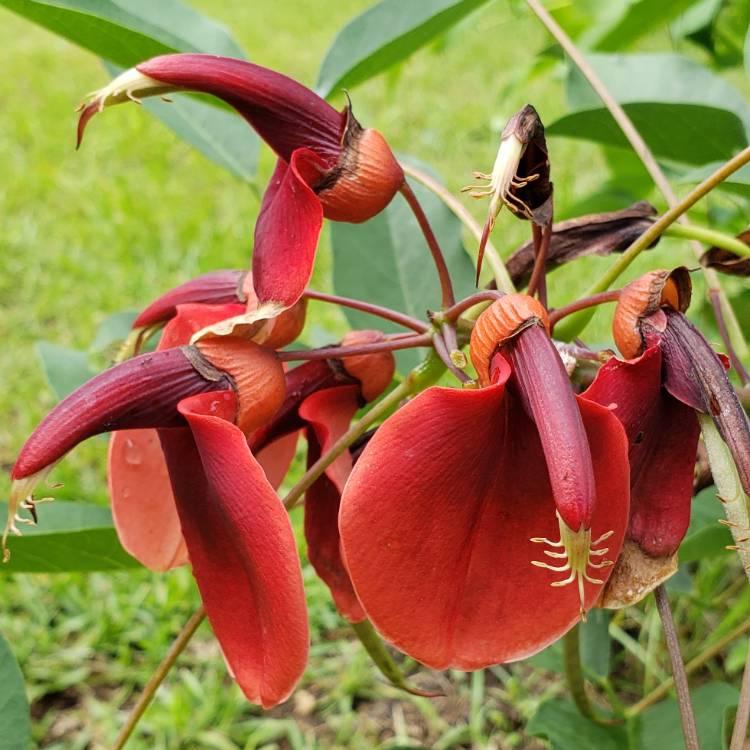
point(373, 371)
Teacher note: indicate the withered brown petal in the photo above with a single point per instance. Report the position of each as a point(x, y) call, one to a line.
point(593, 234)
point(726, 261)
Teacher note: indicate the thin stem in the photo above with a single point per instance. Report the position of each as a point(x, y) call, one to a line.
point(693, 665)
point(336, 352)
point(648, 159)
point(455, 311)
point(538, 280)
point(687, 716)
point(739, 731)
point(611, 295)
point(382, 312)
point(446, 285)
point(145, 698)
point(499, 271)
point(736, 362)
point(574, 678)
point(709, 237)
point(420, 377)
point(445, 355)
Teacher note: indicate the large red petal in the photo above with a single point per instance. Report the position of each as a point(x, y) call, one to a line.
point(142, 501)
point(329, 414)
point(242, 550)
point(286, 233)
point(663, 437)
point(436, 521)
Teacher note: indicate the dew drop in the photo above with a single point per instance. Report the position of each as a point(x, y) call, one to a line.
point(132, 453)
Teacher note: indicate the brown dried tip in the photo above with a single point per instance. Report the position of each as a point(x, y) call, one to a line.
point(364, 180)
point(725, 261)
point(520, 175)
point(503, 319)
point(644, 298)
point(374, 371)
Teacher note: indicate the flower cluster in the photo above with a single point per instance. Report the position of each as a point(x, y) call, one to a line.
point(474, 525)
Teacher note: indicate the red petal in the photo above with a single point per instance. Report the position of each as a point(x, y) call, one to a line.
point(286, 233)
point(276, 458)
point(330, 413)
point(286, 114)
point(242, 550)
point(190, 318)
point(142, 501)
point(216, 287)
point(436, 521)
point(663, 437)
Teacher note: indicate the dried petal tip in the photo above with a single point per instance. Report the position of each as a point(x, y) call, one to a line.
point(502, 320)
point(573, 554)
point(364, 180)
point(644, 298)
point(21, 496)
point(520, 175)
point(128, 86)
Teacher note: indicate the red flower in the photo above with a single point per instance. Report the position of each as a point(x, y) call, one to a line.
point(670, 373)
point(442, 514)
point(204, 399)
point(328, 164)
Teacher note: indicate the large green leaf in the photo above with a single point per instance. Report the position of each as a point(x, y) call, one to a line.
point(126, 32)
point(685, 112)
point(705, 537)
point(65, 369)
point(15, 724)
point(559, 722)
point(661, 726)
point(386, 261)
point(69, 537)
point(385, 34)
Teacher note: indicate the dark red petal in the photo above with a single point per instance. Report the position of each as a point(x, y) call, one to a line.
point(142, 501)
point(663, 438)
point(286, 114)
point(286, 233)
point(436, 521)
point(242, 550)
point(330, 413)
point(216, 287)
point(139, 392)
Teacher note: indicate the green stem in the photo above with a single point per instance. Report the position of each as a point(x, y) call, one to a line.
point(709, 237)
point(418, 379)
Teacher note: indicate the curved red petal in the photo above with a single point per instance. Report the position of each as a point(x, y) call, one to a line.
point(329, 414)
point(436, 521)
point(190, 318)
point(286, 233)
point(276, 458)
point(142, 501)
point(663, 438)
point(242, 549)
point(286, 114)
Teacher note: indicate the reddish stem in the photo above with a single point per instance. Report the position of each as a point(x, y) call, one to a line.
point(538, 280)
point(442, 351)
point(382, 312)
point(455, 311)
point(337, 352)
point(611, 295)
point(446, 285)
point(715, 296)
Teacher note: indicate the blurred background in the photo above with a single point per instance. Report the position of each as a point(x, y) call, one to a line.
point(136, 211)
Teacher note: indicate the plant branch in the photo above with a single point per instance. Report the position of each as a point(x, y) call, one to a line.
point(499, 271)
point(611, 295)
point(382, 312)
point(455, 311)
point(420, 377)
point(709, 237)
point(646, 156)
point(145, 698)
point(687, 716)
point(715, 299)
point(337, 352)
point(538, 280)
point(739, 731)
point(446, 285)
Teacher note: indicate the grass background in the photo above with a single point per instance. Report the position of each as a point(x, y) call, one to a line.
point(137, 211)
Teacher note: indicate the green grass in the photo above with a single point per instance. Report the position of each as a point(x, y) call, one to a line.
point(136, 211)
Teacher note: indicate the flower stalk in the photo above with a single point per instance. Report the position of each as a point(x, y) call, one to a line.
point(334, 352)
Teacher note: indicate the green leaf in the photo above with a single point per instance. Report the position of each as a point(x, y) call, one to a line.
point(70, 536)
point(638, 19)
point(15, 723)
point(113, 330)
point(386, 260)
point(737, 183)
point(684, 112)
point(705, 537)
point(559, 722)
point(126, 32)
point(385, 34)
point(595, 642)
point(660, 725)
point(65, 369)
